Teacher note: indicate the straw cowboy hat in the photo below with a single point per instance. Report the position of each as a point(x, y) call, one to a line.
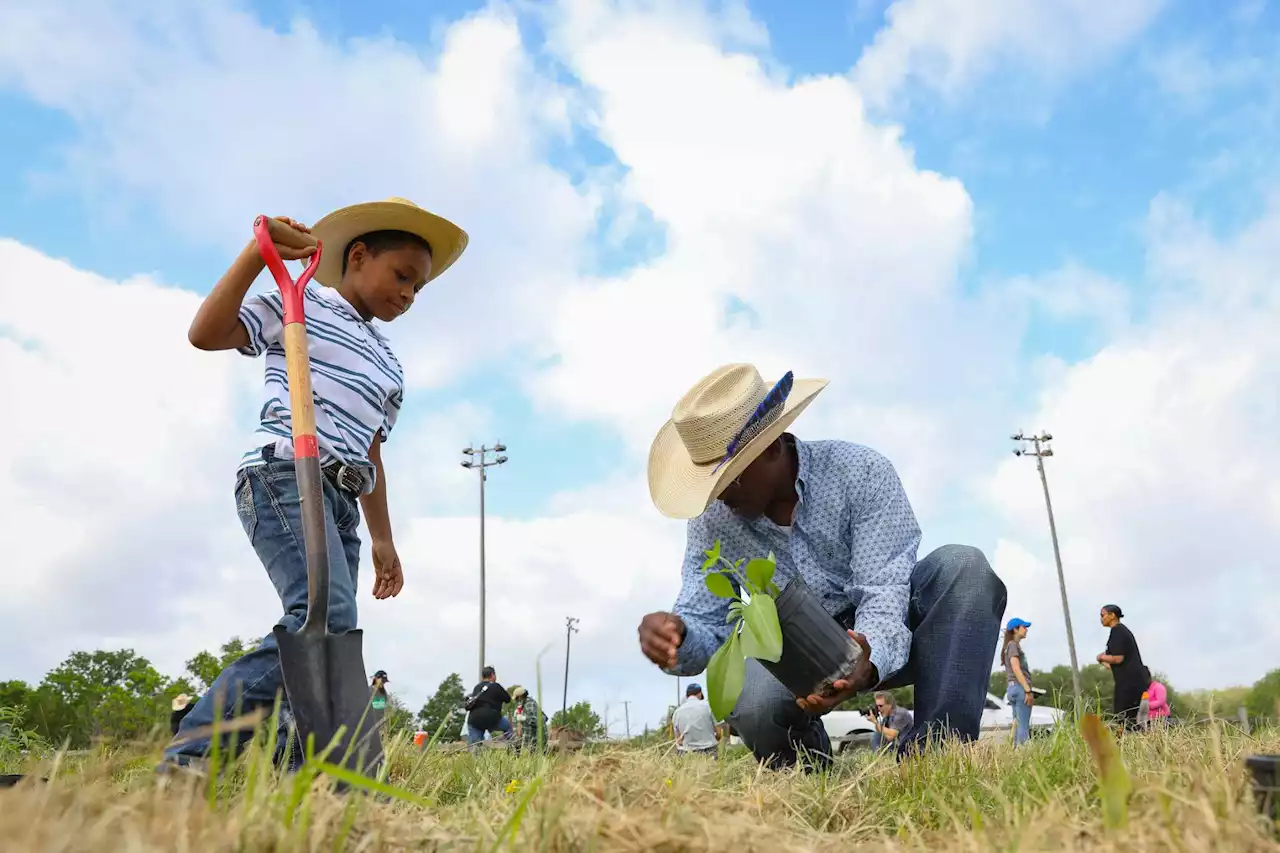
point(335, 231)
point(716, 431)
point(181, 701)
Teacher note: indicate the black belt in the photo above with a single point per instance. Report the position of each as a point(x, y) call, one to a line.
point(345, 478)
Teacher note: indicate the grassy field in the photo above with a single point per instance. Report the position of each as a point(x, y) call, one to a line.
point(1189, 793)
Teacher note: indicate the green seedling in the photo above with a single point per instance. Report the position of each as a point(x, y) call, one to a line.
point(754, 631)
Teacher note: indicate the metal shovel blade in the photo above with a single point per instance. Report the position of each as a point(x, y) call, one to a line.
point(324, 678)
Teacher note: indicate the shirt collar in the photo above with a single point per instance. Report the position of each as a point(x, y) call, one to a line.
point(339, 302)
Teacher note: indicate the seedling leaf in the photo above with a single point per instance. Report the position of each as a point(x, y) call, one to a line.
point(725, 675)
point(719, 585)
point(735, 611)
point(1114, 784)
point(762, 634)
point(713, 556)
point(760, 572)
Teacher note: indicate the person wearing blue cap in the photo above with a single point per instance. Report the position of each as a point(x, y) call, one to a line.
point(694, 724)
point(1018, 693)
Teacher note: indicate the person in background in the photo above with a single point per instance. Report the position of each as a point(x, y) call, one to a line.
point(379, 685)
point(528, 715)
point(1157, 701)
point(1018, 692)
point(182, 705)
point(484, 708)
point(1124, 660)
point(694, 724)
point(891, 721)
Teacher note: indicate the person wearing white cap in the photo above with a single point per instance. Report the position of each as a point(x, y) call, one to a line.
point(835, 514)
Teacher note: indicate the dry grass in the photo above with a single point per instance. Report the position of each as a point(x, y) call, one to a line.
point(1190, 794)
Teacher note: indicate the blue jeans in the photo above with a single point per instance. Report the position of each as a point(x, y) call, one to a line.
point(475, 734)
point(270, 512)
point(954, 615)
point(1017, 699)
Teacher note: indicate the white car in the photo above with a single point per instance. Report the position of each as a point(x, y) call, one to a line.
point(854, 730)
point(997, 718)
point(847, 730)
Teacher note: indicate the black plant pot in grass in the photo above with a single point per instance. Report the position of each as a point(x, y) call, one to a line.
point(1265, 770)
point(789, 632)
point(816, 649)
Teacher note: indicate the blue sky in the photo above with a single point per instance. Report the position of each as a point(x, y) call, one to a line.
point(1096, 179)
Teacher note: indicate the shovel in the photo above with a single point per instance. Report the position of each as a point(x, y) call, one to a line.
point(324, 675)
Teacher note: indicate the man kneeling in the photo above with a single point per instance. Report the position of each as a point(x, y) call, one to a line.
point(834, 513)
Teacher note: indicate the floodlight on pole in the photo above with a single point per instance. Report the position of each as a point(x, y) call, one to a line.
point(1040, 452)
point(479, 460)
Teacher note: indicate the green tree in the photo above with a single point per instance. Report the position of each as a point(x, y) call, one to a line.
point(112, 694)
point(1263, 699)
point(16, 697)
point(206, 666)
point(579, 718)
point(448, 697)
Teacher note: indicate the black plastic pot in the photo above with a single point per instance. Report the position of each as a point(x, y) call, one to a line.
point(816, 649)
point(1265, 770)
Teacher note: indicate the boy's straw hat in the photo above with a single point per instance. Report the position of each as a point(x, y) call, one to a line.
point(716, 431)
point(339, 228)
point(181, 701)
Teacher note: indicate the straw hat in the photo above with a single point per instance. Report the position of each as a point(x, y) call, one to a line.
point(339, 228)
point(716, 431)
point(181, 701)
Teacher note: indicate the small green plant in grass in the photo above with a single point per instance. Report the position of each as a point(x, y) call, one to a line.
point(754, 630)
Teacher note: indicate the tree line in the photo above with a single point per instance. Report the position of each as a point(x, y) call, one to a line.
point(120, 696)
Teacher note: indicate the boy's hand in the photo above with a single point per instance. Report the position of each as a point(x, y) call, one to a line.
point(388, 579)
point(290, 246)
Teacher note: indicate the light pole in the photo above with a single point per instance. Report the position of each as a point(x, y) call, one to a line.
point(479, 460)
point(626, 715)
point(570, 628)
point(1040, 442)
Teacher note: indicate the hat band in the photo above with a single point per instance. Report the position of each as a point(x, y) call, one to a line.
point(766, 413)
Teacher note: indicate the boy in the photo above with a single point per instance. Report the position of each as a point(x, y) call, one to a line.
point(376, 257)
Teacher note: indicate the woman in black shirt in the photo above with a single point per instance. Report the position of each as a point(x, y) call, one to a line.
point(1124, 660)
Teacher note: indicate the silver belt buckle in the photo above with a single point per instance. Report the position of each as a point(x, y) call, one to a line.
point(351, 479)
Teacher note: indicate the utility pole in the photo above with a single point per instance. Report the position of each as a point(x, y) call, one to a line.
point(479, 460)
point(626, 712)
point(1042, 450)
point(570, 628)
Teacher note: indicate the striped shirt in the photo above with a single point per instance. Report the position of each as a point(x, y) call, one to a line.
point(356, 380)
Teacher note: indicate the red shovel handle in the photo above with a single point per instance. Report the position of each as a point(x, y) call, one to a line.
point(266, 231)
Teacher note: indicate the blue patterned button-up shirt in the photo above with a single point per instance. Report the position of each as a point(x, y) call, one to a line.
point(853, 539)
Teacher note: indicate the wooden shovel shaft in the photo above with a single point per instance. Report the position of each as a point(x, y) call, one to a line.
point(306, 449)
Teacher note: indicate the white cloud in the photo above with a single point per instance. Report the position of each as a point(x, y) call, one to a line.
point(799, 236)
point(948, 45)
point(1164, 478)
point(197, 113)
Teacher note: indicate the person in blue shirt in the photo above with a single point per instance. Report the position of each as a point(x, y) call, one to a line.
point(835, 514)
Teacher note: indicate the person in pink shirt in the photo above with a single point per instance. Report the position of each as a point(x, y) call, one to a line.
point(1157, 699)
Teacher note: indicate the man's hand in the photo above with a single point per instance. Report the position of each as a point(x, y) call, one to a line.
point(660, 637)
point(388, 579)
point(863, 676)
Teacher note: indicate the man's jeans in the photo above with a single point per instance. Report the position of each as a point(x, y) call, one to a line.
point(1017, 699)
point(954, 615)
point(269, 509)
point(475, 734)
